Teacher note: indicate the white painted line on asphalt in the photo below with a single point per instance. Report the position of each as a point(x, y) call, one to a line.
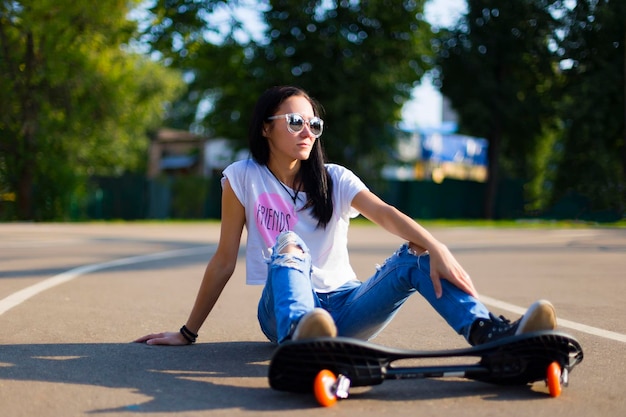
point(607, 334)
point(19, 297)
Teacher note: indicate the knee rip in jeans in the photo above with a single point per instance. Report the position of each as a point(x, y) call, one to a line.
point(290, 251)
point(290, 260)
point(288, 243)
point(415, 251)
point(292, 248)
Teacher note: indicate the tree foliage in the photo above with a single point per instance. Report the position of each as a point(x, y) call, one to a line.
point(498, 67)
point(592, 152)
point(73, 101)
point(361, 59)
point(544, 81)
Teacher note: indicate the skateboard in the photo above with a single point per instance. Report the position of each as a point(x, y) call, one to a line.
point(328, 367)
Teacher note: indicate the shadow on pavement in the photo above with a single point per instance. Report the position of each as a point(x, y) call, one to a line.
point(176, 379)
point(203, 377)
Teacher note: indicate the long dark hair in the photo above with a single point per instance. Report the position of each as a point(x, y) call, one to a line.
point(313, 175)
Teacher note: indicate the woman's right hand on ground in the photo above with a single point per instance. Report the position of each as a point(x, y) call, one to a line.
point(165, 338)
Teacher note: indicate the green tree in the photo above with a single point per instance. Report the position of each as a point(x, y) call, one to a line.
point(74, 100)
point(498, 67)
point(592, 160)
point(361, 59)
point(210, 52)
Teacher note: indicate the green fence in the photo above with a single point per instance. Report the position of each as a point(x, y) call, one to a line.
point(136, 197)
point(453, 199)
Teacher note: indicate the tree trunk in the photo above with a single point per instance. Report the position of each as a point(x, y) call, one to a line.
point(494, 176)
point(26, 153)
point(622, 203)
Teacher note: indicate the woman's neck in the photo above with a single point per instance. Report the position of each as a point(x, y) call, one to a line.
point(285, 172)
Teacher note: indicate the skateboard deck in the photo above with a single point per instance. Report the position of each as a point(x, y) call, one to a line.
point(515, 360)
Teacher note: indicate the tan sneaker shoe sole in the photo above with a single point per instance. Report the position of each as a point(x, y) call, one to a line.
point(316, 323)
point(541, 315)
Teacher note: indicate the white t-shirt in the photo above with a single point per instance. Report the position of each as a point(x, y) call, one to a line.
point(270, 210)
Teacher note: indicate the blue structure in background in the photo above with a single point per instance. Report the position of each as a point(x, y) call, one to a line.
point(458, 149)
point(437, 153)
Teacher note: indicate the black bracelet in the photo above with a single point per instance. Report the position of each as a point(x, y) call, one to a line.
point(188, 334)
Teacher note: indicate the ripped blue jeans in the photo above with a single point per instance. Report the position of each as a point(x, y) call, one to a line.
point(360, 309)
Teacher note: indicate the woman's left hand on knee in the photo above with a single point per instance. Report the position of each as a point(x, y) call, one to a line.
point(443, 265)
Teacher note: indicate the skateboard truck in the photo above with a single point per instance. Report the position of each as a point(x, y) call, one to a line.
point(565, 377)
point(342, 386)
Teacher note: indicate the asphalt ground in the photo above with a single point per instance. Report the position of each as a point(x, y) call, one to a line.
point(73, 297)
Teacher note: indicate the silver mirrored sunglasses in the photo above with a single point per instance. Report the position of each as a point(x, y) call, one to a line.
point(296, 122)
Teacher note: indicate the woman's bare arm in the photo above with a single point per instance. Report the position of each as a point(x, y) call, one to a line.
point(217, 273)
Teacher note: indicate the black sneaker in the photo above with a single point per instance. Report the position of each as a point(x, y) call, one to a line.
point(541, 315)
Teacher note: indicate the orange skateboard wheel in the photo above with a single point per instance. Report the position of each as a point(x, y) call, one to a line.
point(553, 379)
point(323, 388)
